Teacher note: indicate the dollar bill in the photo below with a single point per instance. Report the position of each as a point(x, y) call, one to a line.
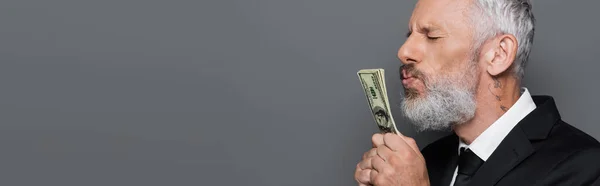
point(373, 83)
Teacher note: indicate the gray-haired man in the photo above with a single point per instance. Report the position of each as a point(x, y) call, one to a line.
point(463, 65)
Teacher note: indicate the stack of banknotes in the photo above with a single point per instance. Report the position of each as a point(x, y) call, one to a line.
point(373, 83)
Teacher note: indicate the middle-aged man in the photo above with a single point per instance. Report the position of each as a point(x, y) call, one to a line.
point(463, 65)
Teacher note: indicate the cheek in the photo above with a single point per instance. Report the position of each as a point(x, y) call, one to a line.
point(444, 57)
point(454, 58)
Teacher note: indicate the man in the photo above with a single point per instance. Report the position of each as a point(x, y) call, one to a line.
point(463, 63)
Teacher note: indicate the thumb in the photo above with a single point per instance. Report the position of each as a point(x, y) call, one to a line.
point(411, 142)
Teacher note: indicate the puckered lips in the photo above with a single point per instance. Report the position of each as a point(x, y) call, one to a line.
point(408, 79)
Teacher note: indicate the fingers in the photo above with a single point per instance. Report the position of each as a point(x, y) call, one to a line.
point(363, 176)
point(384, 153)
point(370, 153)
point(373, 163)
point(380, 166)
point(366, 163)
point(412, 143)
point(393, 159)
point(373, 175)
point(399, 142)
point(395, 142)
point(377, 162)
point(377, 140)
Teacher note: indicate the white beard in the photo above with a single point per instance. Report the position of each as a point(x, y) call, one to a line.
point(448, 101)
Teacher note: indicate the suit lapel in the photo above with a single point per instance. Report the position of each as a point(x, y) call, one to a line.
point(450, 167)
point(514, 149)
point(441, 168)
point(516, 146)
point(449, 170)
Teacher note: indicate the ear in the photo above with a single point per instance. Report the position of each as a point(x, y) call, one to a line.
point(501, 54)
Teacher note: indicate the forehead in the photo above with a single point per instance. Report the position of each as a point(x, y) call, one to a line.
point(440, 13)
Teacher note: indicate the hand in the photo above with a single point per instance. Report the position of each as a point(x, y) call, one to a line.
point(394, 160)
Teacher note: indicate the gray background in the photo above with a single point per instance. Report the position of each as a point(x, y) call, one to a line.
point(228, 92)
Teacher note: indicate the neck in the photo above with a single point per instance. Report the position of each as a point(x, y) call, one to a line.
point(495, 95)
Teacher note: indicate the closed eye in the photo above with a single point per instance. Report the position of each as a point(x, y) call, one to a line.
point(432, 38)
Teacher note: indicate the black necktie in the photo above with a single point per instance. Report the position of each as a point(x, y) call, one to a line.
point(468, 164)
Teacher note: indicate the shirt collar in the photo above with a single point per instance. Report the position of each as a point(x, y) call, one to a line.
point(485, 144)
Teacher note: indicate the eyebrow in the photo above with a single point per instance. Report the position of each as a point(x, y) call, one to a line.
point(424, 29)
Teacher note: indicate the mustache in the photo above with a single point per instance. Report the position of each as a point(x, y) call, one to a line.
point(411, 70)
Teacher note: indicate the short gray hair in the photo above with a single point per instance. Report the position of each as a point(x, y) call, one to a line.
point(493, 17)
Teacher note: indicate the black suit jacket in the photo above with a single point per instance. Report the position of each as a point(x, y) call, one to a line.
point(540, 150)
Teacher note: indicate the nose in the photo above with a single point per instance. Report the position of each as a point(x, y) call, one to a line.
point(411, 51)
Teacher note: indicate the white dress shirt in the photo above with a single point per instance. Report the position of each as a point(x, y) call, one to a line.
point(485, 144)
